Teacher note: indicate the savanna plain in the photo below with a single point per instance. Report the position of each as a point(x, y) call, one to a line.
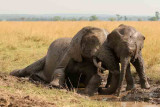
point(22, 43)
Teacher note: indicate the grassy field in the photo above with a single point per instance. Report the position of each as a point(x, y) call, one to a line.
point(21, 43)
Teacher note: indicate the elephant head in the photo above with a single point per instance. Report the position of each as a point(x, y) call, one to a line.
point(126, 41)
point(87, 42)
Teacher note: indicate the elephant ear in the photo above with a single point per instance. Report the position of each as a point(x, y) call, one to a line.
point(139, 43)
point(114, 38)
point(75, 45)
point(86, 42)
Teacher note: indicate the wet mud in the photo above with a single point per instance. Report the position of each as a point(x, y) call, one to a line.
point(138, 95)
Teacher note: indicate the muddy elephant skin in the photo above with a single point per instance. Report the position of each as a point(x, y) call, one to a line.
point(84, 44)
point(126, 44)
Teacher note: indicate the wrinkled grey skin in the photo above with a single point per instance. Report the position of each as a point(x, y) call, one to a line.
point(126, 44)
point(84, 44)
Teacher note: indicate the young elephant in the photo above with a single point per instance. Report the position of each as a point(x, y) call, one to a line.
point(126, 44)
point(84, 72)
point(84, 44)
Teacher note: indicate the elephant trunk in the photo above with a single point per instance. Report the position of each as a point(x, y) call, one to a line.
point(112, 87)
point(124, 63)
point(97, 65)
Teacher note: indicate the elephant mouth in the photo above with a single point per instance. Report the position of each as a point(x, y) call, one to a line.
point(97, 65)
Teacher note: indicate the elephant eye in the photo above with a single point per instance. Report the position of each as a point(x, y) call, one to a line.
point(140, 49)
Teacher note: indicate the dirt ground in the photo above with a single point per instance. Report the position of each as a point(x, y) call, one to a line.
point(12, 99)
point(151, 95)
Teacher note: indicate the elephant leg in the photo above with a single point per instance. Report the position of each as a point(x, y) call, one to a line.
point(109, 80)
point(58, 78)
point(38, 77)
point(31, 69)
point(128, 76)
point(113, 85)
point(111, 62)
point(93, 85)
point(139, 65)
point(129, 79)
point(58, 73)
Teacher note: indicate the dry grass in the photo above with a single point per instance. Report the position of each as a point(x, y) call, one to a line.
point(18, 92)
point(21, 43)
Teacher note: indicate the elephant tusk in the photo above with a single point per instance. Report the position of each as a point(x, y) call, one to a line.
point(97, 65)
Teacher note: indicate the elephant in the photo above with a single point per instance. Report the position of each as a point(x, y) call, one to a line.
point(80, 49)
point(123, 43)
point(84, 72)
point(126, 44)
point(84, 44)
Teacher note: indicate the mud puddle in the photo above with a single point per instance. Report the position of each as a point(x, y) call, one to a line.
point(136, 104)
point(150, 97)
point(123, 103)
point(137, 95)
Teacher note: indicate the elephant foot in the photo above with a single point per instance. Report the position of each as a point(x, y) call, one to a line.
point(145, 85)
point(55, 83)
point(130, 87)
point(86, 92)
point(35, 77)
point(58, 78)
point(16, 73)
point(105, 91)
point(89, 91)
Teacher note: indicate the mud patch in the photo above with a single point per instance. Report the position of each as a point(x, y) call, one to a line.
point(151, 95)
point(14, 99)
